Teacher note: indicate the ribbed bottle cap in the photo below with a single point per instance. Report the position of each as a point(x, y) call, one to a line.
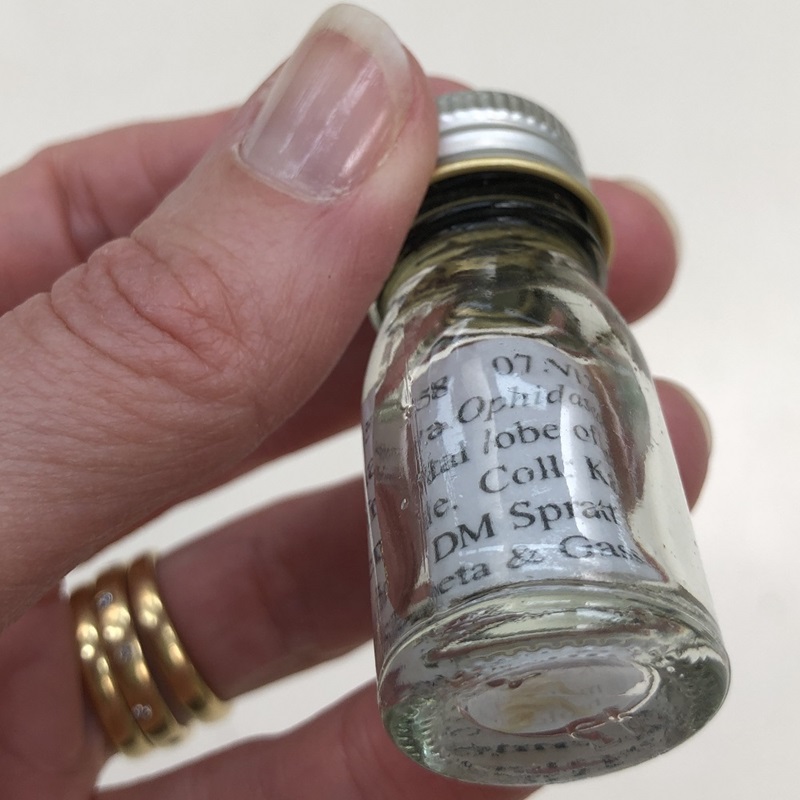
point(480, 130)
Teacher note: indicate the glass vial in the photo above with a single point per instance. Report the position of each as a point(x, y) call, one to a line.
point(540, 607)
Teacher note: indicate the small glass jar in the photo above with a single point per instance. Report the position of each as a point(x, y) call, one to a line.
point(540, 607)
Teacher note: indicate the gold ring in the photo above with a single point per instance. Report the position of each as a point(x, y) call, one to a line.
point(124, 652)
point(138, 675)
point(160, 639)
point(116, 717)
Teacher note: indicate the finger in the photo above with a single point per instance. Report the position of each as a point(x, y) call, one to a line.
point(156, 367)
point(645, 249)
point(294, 577)
point(49, 745)
point(690, 432)
point(344, 754)
point(71, 198)
point(64, 203)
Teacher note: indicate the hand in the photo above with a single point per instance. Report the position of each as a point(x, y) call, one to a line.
point(217, 323)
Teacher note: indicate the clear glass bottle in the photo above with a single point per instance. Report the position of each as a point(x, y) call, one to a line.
point(540, 607)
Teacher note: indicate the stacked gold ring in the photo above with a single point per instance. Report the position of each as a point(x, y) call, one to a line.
point(138, 675)
point(157, 631)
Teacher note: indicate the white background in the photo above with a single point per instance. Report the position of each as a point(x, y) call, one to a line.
point(697, 98)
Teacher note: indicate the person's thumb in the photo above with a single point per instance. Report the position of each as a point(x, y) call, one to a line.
point(152, 369)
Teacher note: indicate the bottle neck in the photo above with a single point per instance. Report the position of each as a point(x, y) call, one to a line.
point(525, 206)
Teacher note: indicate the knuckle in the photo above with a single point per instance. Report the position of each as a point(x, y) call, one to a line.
point(163, 314)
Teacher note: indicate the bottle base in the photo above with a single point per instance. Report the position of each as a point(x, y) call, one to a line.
point(553, 683)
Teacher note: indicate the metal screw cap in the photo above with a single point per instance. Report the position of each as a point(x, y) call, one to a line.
point(481, 130)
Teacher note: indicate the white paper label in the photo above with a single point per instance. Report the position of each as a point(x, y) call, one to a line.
point(516, 474)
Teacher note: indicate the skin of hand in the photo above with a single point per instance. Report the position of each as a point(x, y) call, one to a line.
point(182, 301)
